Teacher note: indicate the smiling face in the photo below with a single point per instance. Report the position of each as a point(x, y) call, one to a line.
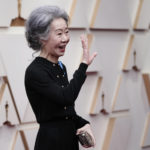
point(58, 38)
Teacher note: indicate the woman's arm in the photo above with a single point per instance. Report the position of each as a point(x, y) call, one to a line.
point(80, 122)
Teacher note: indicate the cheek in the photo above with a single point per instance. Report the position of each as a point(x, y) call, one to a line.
point(53, 42)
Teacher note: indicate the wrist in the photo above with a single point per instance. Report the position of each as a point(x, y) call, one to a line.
point(85, 62)
point(88, 125)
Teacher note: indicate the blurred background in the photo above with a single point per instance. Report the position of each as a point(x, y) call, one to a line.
point(116, 95)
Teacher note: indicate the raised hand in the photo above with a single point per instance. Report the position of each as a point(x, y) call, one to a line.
point(86, 56)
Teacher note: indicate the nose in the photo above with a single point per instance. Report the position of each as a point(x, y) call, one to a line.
point(65, 38)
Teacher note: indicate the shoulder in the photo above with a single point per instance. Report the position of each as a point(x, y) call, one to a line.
point(33, 67)
point(34, 70)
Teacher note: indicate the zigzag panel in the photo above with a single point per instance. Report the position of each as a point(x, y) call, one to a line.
point(31, 136)
point(121, 101)
point(29, 115)
point(29, 5)
point(120, 134)
point(2, 88)
point(110, 47)
point(138, 13)
point(12, 115)
point(143, 20)
point(87, 97)
point(7, 137)
point(114, 16)
point(96, 95)
point(16, 65)
point(18, 144)
point(78, 12)
point(136, 52)
point(2, 69)
point(146, 135)
point(9, 15)
point(146, 78)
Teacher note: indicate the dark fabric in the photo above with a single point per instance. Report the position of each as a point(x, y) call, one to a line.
point(52, 98)
point(58, 135)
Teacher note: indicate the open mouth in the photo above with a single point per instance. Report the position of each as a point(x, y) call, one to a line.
point(62, 48)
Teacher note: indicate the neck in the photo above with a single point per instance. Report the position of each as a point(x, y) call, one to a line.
point(49, 57)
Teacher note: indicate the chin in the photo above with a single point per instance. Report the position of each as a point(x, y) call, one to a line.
point(62, 54)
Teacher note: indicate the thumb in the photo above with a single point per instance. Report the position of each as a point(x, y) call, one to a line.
point(78, 131)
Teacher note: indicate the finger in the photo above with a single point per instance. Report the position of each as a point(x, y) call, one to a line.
point(83, 37)
point(84, 41)
point(93, 56)
point(86, 146)
point(78, 131)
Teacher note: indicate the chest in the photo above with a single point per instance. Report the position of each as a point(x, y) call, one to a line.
point(58, 75)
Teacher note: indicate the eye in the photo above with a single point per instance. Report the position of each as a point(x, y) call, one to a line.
point(59, 33)
point(67, 31)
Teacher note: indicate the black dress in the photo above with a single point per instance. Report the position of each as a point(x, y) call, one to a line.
point(52, 99)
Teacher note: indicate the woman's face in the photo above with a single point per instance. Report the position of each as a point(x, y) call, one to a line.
point(58, 38)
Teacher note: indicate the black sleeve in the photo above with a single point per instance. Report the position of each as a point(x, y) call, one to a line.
point(39, 81)
point(80, 122)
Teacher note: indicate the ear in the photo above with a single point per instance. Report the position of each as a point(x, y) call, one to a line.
point(43, 42)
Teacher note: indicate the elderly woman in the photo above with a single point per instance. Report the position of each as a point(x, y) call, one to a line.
point(51, 95)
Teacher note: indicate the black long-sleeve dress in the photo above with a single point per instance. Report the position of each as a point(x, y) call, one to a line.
point(52, 99)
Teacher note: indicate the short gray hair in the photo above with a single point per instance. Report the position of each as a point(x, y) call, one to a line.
point(38, 24)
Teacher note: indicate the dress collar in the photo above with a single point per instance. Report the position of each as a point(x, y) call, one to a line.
point(45, 61)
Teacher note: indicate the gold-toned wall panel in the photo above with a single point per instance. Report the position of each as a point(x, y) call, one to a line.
point(7, 142)
point(117, 15)
point(108, 134)
point(146, 78)
point(95, 97)
point(146, 133)
point(7, 114)
point(120, 104)
point(138, 13)
point(29, 115)
point(142, 20)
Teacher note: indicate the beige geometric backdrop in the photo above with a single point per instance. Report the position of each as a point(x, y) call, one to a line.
point(116, 95)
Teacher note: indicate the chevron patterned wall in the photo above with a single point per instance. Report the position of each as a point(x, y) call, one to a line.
point(116, 95)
